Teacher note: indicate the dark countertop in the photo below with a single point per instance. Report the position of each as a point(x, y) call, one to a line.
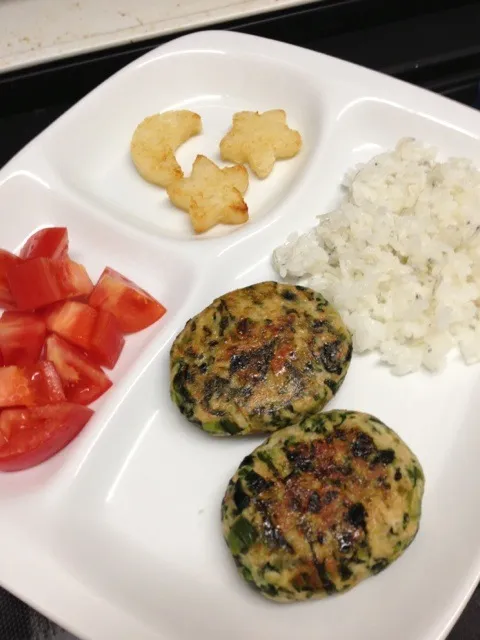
point(432, 44)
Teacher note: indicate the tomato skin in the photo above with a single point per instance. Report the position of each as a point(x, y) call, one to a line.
point(31, 436)
point(134, 308)
point(73, 321)
point(21, 338)
point(7, 261)
point(35, 385)
point(107, 340)
point(11, 314)
point(41, 281)
point(83, 381)
point(44, 312)
point(51, 242)
point(46, 383)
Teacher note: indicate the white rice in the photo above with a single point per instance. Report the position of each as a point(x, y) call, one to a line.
point(400, 258)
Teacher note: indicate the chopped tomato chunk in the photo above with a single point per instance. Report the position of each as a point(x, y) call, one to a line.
point(29, 386)
point(51, 242)
point(107, 340)
point(14, 315)
point(7, 260)
point(21, 338)
point(83, 381)
point(30, 436)
point(43, 312)
point(134, 308)
point(73, 321)
point(57, 332)
point(41, 281)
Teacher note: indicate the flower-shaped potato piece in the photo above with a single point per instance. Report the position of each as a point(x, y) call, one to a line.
point(211, 195)
point(259, 139)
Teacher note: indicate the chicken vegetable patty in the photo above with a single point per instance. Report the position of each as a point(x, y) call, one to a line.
point(322, 505)
point(258, 359)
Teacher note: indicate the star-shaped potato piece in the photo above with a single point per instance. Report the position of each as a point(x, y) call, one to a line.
point(258, 139)
point(211, 195)
point(155, 141)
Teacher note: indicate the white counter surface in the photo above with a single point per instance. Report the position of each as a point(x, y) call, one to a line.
point(35, 31)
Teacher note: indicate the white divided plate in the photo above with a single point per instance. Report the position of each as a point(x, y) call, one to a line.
point(118, 537)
